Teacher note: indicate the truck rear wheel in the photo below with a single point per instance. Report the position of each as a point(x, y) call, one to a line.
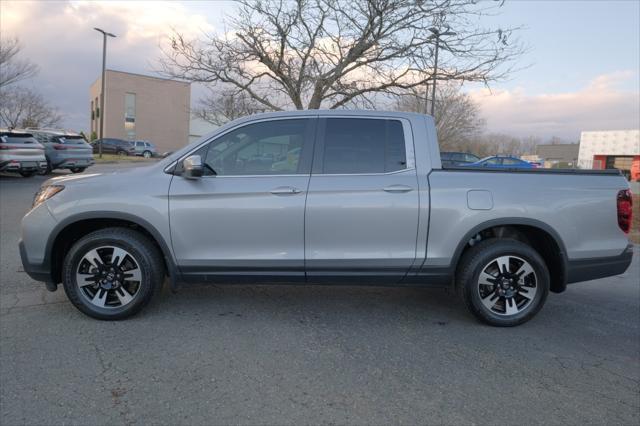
point(112, 273)
point(503, 282)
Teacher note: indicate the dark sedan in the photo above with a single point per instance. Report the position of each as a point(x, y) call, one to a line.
point(114, 146)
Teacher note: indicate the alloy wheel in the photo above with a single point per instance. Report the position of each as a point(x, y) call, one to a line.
point(108, 277)
point(507, 285)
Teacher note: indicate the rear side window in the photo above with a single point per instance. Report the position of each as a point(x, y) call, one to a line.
point(362, 145)
point(510, 161)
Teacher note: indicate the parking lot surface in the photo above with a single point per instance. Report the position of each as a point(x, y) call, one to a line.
point(311, 355)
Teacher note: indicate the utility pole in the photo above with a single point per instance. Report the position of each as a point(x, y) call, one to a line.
point(104, 64)
point(436, 34)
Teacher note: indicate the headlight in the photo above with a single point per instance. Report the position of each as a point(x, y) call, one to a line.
point(45, 193)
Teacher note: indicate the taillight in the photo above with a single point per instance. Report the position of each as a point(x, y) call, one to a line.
point(624, 203)
point(59, 147)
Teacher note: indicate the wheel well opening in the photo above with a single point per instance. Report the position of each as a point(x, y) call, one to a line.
point(540, 240)
point(73, 232)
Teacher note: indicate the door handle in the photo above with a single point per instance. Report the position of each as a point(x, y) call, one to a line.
point(397, 188)
point(285, 190)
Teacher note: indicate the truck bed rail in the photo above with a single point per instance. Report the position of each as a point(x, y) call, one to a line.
point(608, 172)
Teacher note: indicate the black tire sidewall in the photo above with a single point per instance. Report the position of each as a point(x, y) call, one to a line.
point(128, 240)
point(479, 256)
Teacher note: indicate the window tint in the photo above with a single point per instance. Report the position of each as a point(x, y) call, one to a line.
point(266, 148)
point(360, 145)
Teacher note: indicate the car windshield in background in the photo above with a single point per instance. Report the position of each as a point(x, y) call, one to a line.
point(17, 138)
point(76, 139)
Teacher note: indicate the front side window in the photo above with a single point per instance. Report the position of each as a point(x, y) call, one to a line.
point(362, 145)
point(265, 148)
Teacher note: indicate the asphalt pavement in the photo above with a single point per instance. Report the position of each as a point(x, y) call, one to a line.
point(311, 355)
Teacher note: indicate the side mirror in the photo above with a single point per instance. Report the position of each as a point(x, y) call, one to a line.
point(192, 167)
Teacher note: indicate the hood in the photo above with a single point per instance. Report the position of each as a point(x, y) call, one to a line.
point(104, 177)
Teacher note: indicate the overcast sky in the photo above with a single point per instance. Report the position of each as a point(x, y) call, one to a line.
point(583, 65)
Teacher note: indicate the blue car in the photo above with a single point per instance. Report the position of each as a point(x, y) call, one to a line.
point(502, 163)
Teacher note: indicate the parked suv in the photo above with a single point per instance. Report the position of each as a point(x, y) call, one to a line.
point(327, 197)
point(114, 146)
point(145, 149)
point(20, 152)
point(64, 150)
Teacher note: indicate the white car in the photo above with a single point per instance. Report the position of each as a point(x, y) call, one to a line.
point(21, 153)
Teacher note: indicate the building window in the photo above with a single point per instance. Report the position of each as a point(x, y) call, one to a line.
point(130, 115)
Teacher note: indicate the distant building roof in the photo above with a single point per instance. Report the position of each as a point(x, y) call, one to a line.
point(567, 152)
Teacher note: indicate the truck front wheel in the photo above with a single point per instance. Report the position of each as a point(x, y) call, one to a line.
point(112, 273)
point(503, 282)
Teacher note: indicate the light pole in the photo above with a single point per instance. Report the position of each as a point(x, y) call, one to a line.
point(104, 62)
point(437, 34)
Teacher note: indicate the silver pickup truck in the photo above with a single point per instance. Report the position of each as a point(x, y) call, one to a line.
point(327, 197)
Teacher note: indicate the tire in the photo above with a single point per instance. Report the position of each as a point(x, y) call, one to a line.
point(518, 288)
point(27, 174)
point(78, 169)
point(116, 295)
point(122, 153)
point(147, 154)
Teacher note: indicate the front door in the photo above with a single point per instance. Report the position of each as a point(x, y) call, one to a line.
point(362, 207)
point(244, 220)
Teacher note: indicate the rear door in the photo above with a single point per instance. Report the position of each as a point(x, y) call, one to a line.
point(362, 207)
point(244, 220)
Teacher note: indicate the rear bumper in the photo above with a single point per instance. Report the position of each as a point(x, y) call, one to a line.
point(599, 267)
point(72, 163)
point(19, 165)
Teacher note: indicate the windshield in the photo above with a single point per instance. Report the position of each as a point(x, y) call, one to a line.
point(15, 138)
point(69, 139)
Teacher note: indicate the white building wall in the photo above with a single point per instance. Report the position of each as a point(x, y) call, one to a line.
point(199, 127)
point(610, 142)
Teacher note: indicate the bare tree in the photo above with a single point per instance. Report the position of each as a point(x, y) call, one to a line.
point(220, 107)
point(21, 107)
point(338, 53)
point(12, 69)
point(457, 116)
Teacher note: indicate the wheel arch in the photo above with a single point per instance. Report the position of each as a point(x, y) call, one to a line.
point(74, 227)
point(539, 235)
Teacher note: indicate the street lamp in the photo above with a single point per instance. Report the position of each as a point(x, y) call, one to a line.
point(104, 62)
point(436, 34)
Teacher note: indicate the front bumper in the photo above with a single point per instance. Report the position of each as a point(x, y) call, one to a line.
point(599, 267)
point(35, 248)
point(37, 271)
